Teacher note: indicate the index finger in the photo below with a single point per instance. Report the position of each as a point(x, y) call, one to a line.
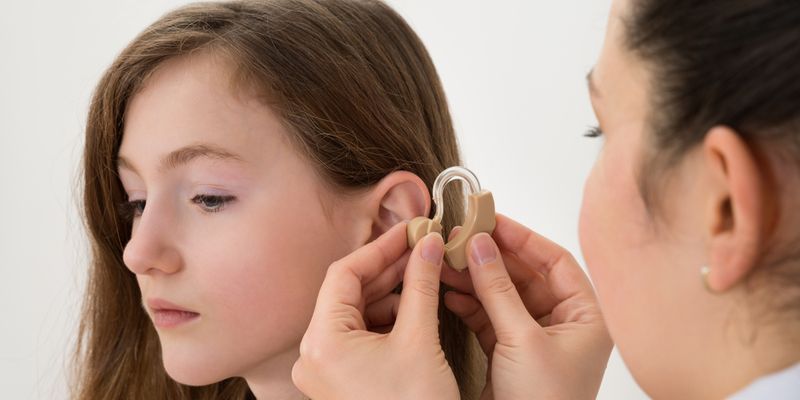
point(345, 279)
point(565, 276)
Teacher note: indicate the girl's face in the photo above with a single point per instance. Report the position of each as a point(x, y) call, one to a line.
point(233, 228)
point(647, 273)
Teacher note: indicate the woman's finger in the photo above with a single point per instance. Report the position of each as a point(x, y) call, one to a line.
point(533, 287)
point(470, 310)
point(419, 301)
point(565, 277)
point(382, 312)
point(453, 232)
point(387, 280)
point(458, 280)
point(495, 290)
point(341, 295)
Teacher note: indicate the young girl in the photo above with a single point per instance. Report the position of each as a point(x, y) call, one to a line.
point(233, 152)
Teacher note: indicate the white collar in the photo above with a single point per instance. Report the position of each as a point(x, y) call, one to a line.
point(780, 385)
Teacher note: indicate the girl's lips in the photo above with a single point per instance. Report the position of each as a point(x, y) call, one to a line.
point(172, 318)
point(167, 315)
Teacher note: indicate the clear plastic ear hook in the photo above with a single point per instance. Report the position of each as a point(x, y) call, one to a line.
point(480, 216)
point(447, 176)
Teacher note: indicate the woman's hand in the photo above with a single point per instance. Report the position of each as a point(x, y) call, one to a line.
point(352, 351)
point(535, 315)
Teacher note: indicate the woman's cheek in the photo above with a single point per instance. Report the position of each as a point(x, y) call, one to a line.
point(588, 229)
point(603, 224)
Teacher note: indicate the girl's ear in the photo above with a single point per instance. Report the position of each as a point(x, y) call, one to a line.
point(737, 208)
point(399, 196)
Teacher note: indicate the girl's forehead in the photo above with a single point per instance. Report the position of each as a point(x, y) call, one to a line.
point(188, 102)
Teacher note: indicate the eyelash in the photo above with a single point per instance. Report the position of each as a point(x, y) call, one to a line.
point(129, 210)
point(134, 208)
point(593, 132)
point(222, 200)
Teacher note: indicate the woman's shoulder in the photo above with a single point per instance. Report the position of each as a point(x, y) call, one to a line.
point(784, 384)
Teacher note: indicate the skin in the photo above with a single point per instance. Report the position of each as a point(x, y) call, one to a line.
point(537, 317)
point(348, 328)
point(678, 338)
point(247, 266)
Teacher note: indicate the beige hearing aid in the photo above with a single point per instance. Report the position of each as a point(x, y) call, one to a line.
point(480, 216)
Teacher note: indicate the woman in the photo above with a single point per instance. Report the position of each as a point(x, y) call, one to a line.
point(234, 150)
point(688, 227)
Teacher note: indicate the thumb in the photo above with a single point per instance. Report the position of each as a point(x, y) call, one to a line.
point(495, 289)
point(419, 301)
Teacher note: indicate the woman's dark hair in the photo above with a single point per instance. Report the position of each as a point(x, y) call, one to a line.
point(731, 62)
point(734, 63)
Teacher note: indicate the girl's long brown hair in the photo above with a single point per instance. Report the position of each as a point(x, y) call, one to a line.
point(361, 97)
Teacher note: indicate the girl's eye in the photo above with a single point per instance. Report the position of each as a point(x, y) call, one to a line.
point(593, 132)
point(131, 209)
point(211, 203)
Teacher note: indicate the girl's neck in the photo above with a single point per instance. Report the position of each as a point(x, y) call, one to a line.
point(272, 379)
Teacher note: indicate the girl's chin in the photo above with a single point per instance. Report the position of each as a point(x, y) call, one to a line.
point(196, 373)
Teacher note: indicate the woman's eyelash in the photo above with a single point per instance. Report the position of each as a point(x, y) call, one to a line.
point(593, 132)
point(211, 203)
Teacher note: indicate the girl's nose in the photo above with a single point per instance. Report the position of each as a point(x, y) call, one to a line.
point(151, 248)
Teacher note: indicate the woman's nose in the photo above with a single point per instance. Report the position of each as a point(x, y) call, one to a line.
point(151, 248)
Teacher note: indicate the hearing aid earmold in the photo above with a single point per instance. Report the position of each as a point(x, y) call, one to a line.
point(480, 216)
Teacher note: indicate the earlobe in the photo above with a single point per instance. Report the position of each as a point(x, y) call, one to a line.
point(399, 196)
point(736, 216)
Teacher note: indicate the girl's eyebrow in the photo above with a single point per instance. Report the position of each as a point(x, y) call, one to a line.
point(184, 155)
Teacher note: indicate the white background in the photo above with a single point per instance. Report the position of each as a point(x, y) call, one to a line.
point(514, 75)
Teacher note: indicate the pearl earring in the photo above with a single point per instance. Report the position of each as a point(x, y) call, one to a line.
point(704, 271)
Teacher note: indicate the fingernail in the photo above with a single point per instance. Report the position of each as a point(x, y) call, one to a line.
point(433, 248)
point(483, 251)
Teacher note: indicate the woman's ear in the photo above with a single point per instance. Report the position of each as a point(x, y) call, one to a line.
point(399, 196)
point(736, 215)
